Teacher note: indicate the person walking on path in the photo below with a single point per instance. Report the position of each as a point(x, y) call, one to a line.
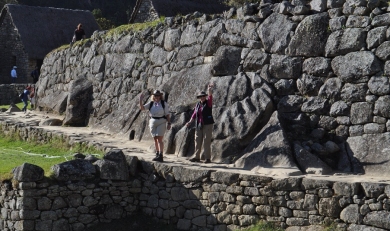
point(159, 120)
point(203, 117)
point(14, 75)
point(26, 94)
point(79, 33)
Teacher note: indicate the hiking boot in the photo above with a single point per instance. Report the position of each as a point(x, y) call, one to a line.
point(207, 161)
point(194, 160)
point(158, 157)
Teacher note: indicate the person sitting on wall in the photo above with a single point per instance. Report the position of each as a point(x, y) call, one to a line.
point(14, 75)
point(79, 33)
point(35, 75)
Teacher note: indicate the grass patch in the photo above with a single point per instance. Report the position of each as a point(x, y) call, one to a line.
point(14, 152)
point(264, 226)
point(134, 27)
point(19, 105)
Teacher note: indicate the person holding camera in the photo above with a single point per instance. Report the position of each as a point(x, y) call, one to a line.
point(204, 121)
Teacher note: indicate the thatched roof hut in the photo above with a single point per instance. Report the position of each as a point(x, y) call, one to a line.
point(148, 10)
point(28, 33)
point(43, 29)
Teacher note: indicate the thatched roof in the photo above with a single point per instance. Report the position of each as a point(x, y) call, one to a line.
point(43, 29)
point(171, 8)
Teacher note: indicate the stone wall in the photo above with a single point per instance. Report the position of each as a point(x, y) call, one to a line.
point(85, 192)
point(300, 84)
point(12, 53)
point(9, 93)
point(146, 12)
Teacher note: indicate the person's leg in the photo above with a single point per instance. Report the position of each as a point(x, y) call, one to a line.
point(156, 145)
point(198, 144)
point(160, 141)
point(207, 133)
point(25, 106)
point(160, 148)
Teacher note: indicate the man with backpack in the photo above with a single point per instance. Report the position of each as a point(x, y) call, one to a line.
point(159, 120)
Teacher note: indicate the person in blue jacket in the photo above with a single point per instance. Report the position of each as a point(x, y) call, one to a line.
point(26, 94)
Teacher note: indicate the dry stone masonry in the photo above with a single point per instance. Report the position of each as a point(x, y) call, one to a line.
point(299, 84)
point(88, 191)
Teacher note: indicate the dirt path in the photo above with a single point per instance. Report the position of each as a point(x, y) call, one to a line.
point(145, 150)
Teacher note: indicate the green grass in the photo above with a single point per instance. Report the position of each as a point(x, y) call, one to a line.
point(19, 105)
point(14, 152)
point(134, 27)
point(264, 226)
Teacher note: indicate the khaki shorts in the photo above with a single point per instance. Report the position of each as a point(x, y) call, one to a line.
point(157, 126)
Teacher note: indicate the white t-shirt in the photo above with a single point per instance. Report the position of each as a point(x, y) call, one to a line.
point(157, 110)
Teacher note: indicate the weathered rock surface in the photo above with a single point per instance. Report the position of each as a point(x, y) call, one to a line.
point(28, 173)
point(324, 69)
point(268, 149)
point(367, 157)
point(78, 169)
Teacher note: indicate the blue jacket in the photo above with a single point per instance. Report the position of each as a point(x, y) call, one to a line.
point(26, 94)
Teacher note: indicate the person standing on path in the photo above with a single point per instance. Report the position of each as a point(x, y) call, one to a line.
point(26, 94)
point(14, 75)
point(203, 117)
point(159, 120)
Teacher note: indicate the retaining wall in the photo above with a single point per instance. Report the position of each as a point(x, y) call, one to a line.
point(191, 197)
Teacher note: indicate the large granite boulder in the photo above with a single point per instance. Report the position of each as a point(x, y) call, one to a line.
point(78, 100)
point(308, 161)
point(353, 66)
point(275, 33)
point(113, 166)
point(270, 148)
point(226, 61)
point(28, 173)
point(234, 129)
point(342, 42)
point(380, 219)
point(310, 36)
point(367, 154)
point(77, 169)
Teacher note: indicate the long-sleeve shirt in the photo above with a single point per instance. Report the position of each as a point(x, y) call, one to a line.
point(13, 73)
point(209, 101)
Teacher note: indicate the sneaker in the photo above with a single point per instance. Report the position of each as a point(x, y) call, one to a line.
point(158, 158)
point(194, 160)
point(207, 161)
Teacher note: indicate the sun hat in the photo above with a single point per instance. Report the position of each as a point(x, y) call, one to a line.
point(157, 93)
point(15, 67)
point(200, 94)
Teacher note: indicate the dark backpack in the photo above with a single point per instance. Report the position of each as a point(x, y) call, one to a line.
point(162, 104)
point(21, 95)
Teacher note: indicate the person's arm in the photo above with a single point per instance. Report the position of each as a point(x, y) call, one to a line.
point(192, 118)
